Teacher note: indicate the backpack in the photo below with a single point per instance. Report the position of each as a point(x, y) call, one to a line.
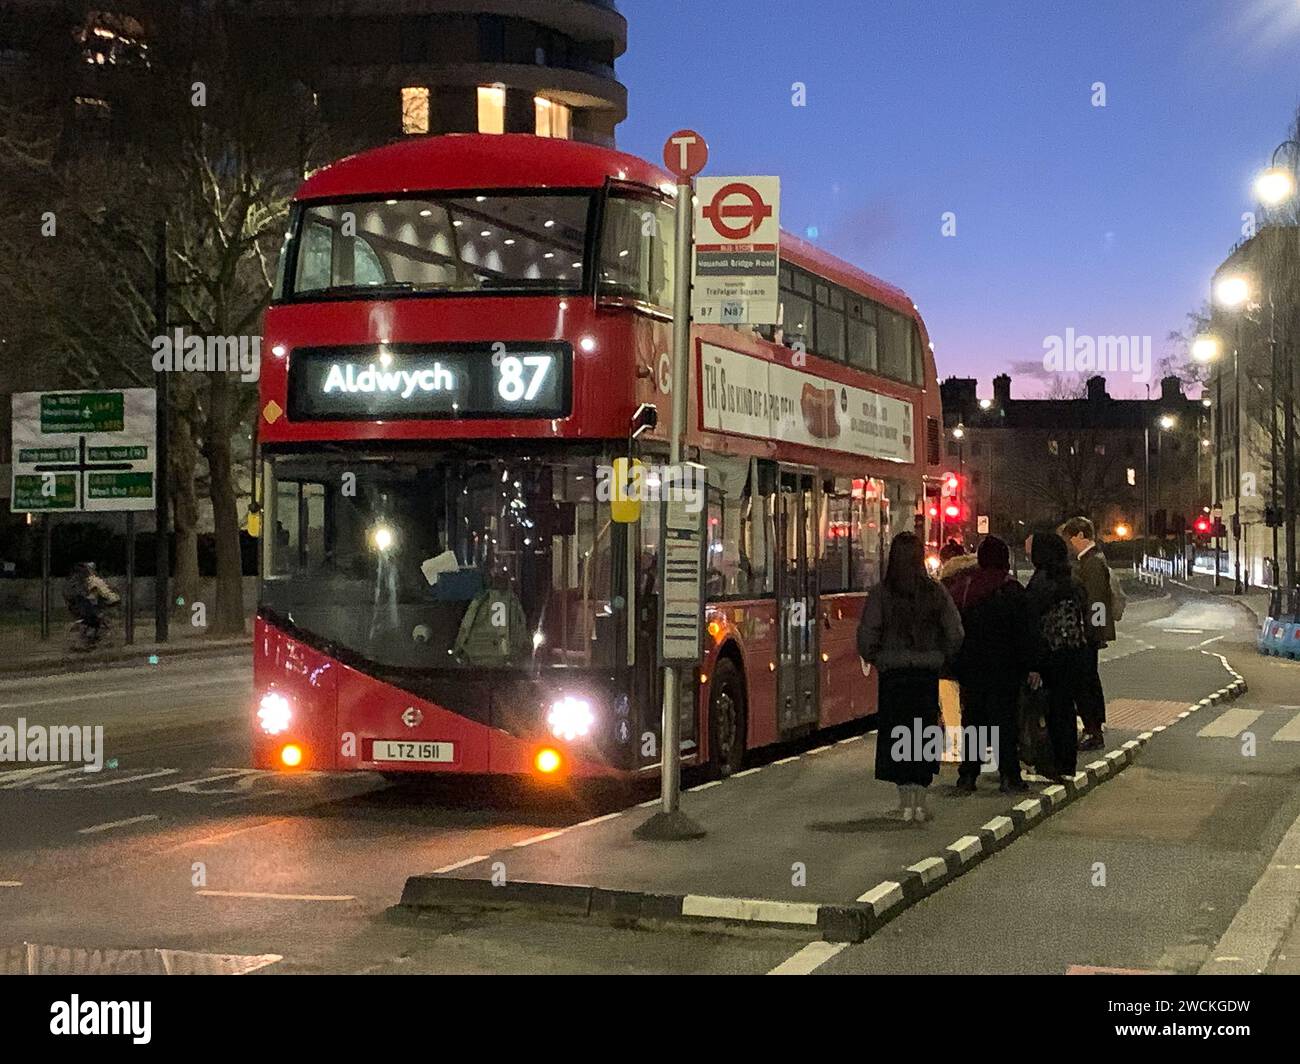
point(1118, 600)
point(1062, 625)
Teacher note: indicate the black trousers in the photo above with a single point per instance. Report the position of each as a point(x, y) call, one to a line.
point(983, 709)
point(1068, 678)
point(1092, 699)
point(908, 710)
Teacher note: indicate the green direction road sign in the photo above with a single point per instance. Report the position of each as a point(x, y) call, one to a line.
point(48, 491)
point(115, 454)
point(83, 412)
point(119, 485)
point(46, 454)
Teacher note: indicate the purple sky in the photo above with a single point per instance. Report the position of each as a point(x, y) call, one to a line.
point(1069, 216)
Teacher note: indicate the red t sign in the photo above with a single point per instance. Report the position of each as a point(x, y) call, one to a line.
point(685, 153)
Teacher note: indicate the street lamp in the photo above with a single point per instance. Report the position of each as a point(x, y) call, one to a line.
point(1232, 292)
point(1274, 187)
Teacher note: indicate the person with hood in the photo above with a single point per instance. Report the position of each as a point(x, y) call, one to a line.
point(909, 630)
point(953, 559)
point(1061, 660)
point(995, 659)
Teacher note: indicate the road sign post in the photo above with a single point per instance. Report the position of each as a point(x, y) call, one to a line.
point(84, 452)
point(685, 154)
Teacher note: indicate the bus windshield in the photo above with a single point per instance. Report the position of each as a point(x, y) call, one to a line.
point(449, 558)
point(429, 244)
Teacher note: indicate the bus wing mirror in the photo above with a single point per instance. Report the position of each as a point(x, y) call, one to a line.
point(627, 477)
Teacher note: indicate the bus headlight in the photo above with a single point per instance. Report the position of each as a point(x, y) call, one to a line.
point(273, 713)
point(570, 717)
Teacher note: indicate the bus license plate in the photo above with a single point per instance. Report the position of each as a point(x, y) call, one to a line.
point(393, 750)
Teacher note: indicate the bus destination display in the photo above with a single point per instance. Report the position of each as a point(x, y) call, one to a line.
point(430, 381)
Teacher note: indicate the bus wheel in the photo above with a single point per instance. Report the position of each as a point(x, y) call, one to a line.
point(726, 719)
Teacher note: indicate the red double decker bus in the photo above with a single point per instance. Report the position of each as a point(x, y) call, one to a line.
point(463, 332)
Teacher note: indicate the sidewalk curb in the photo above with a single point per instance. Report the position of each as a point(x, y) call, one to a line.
point(852, 922)
point(138, 654)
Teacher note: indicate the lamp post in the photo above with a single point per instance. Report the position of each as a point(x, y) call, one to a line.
point(1275, 186)
point(1232, 292)
point(1163, 425)
point(1207, 349)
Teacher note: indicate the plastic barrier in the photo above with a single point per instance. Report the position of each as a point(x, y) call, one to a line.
point(1280, 637)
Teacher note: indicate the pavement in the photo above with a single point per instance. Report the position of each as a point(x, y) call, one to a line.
point(178, 852)
point(807, 840)
point(24, 653)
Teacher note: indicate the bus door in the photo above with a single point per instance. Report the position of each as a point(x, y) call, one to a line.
point(796, 596)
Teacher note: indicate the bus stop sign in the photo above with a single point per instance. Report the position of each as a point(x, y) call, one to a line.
point(685, 153)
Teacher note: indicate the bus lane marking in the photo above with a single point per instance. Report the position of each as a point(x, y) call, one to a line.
point(810, 958)
point(117, 824)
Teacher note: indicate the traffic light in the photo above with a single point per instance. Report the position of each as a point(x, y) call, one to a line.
point(1202, 526)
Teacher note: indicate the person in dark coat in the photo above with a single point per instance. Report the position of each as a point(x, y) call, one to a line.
point(909, 630)
point(995, 659)
point(1061, 660)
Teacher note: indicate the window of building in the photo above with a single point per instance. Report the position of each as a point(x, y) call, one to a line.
point(415, 110)
point(554, 119)
point(491, 109)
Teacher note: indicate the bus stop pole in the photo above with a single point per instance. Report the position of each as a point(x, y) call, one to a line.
point(670, 822)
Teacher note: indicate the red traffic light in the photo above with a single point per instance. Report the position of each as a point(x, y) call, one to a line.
point(952, 510)
point(1203, 525)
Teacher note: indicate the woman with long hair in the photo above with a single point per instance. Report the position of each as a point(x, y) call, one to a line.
point(908, 631)
point(1056, 609)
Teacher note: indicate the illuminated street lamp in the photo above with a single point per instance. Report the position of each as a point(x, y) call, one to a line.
point(1275, 186)
point(1206, 348)
point(1232, 292)
point(986, 404)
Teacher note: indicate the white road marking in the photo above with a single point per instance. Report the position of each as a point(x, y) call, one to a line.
point(705, 786)
point(251, 797)
point(132, 779)
point(274, 897)
point(599, 819)
point(16, 778)
point(117, 824)
point(542, 837)
point(1207, 642)
point(1184, 631)
point(786, 760)
point(818, 750)
point(1230, 723)
point(10, 883)
point(810, 958)
point(459, 864)
point(189, 785)
point(850, 739)
point(747, 772)
point(1289, 732)
point(153, 692)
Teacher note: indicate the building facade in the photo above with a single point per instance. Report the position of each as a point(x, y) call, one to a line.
point(1027, 463)
point(377, 69)
point(1252, 382)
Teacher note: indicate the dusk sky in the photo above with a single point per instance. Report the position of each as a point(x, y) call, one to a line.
point(1104, 220)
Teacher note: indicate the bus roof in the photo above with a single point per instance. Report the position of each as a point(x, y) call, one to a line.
point(520, 160)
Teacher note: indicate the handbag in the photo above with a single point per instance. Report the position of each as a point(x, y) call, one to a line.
point(1035, 744)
